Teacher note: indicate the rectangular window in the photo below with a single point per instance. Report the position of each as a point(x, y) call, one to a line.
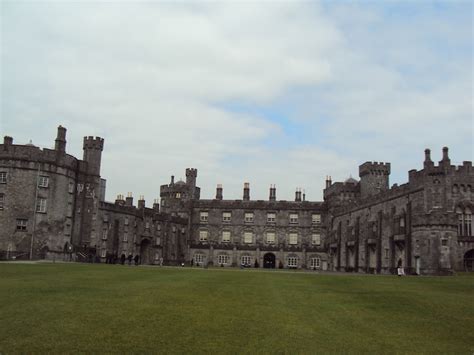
point(248, 217)
point(198, 258)
point(104, 253)
point(223, 259)
point(178, 195)
point(41, 205)
point(293, 238)
point(292, 262)
point(270, 237)
point(43, 181)
point(104, 234)
point(293, 218)
point(21, 224)
point(387, 251)
point(316, 219)
point(125, 222)
point(71, 187)
point(248, 237)
point(315, 263)
point(226, 216)
point(2, 201)
point(316, 239)
point(3, 177)
point(225, 236)
point(204, 216)
point(271, 217)
point(106, 218)
point(147, 225)
point(245, 260)
point(203, 236)
point(158, 240)
point(125, 237)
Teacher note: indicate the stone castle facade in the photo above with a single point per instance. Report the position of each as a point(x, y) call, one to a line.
point(52, 205)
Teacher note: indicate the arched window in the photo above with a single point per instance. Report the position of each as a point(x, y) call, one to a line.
point(464, 221)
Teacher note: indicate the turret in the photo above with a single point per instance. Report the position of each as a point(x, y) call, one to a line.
point(191, 175)
point(374, 178)
point(60, 142)
point(445, 161)
point(93, 153)
point(428, 163)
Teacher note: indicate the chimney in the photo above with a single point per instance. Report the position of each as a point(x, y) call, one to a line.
point(272, 193)
point(304, 196)
point(60, 142)
point(129, 200)
point(219, 192)
point(246, 191)
point(7, 140)
point(446, 159)
point(141, 202)
point(156, 205)
point(298, 195)
point(428, 162)
point(172, 179)
point(119, 200)
point(328, 181)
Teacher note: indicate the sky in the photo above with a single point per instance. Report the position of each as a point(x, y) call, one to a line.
point(265, 92)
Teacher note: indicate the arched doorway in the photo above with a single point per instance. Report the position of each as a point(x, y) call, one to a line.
point(146, 256)
point(469, 260)
point(269, 261)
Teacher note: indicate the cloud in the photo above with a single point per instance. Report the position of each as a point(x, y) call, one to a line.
point(157, 80)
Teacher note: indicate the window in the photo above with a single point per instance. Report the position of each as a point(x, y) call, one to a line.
point(71, 187)
point(316, 219)
point(104, 234)
point(248, 217)
point(203, 236)
point(125, 237)
point(157, 256)
point(198, 258)
point(147, 225)
point(21, 224)
point(444, 242)
point(387, 252)
point(204, 216)
point(223, 259)
point(271, 217)
point(293, 238)
point(292, 261)
point(293, 218)
point(270, 237)
point(158, 240)
point(226, 216)
point(225, 236)
point(104, 253)
point(464, 221)
point(316, 239)
point(315, 263)
point(125, 222)
point(178, 195)
point(106, 218)
point(3, 177)
point(248, 237)
point(43, 181)
point(245, 260)
point(2, 201)
point(41, 205)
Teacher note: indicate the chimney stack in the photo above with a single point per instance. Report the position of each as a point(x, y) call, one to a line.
point(129, 200)
point(304, 196)
point(246, 191)
point(328, 181)
point(272, 193)
point(60, 142)
point(119, 200)
point(219, 192)
point(428, 162)
point(446, 159)
point(298, 195)
point(141, 202)
point(156, 205)
point(172, 179)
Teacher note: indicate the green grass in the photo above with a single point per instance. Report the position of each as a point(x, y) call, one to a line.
point(110, 308)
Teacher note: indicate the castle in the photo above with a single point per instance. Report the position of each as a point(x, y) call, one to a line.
point(52, 205)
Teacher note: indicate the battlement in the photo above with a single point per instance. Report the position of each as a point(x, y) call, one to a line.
point(374, 168)
point(191, 172)
point(93, 143)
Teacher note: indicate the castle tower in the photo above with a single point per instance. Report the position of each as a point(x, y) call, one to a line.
point(93, 153)
point(191, 175)
point(60, 142)
point(374, 178)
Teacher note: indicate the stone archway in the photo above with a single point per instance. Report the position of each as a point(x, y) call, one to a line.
point(269, 261)
point(469, 260)
point(146, 252)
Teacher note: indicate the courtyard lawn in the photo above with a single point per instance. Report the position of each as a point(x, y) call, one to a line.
point(64, 308)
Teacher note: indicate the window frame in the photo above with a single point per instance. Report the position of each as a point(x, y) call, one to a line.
point(248, 217)
point(202, 233)
point(3, 177)
point(271, 219)
point(43, 181)
point(293, 218)
point(316, 239)
point(22, 224)
point(204, 216)
point(270, 241)
point(41, 205)
point(226, 232)
point(226, 217)
point(292, 238)
point(246, 235)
